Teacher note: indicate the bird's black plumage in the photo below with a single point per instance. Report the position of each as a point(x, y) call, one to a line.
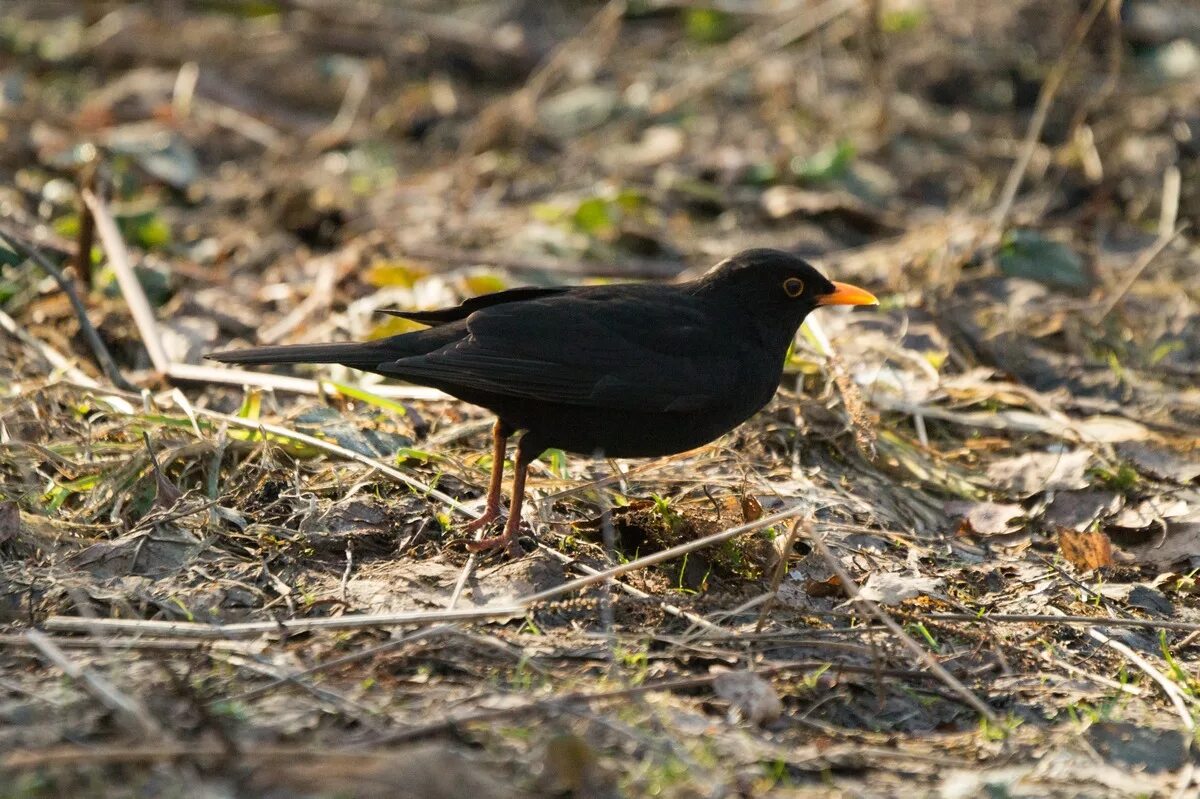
point(627, 370)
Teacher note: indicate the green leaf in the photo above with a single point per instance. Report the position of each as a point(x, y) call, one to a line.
point(556, 461)
point(9, 257)
point(251, 405)
point(826, 165)
point(66, 226)
point(594, 216)
point(156, 284)
point(630, 200)
point(1028, 254)
point(407, 454)
point(366, 396)
point(484, 283)
point(154, 233)
point(762, 173)
point(706, 25)
point(902, 20)
point(384, 273)
point(145, 228)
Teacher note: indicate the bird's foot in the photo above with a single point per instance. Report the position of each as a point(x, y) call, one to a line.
point(490, 515)
point(508, 539)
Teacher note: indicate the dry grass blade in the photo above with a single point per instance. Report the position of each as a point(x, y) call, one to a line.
point(250, 629)
point(218, 375)
point(1169, 688)
point(1144, 260)
point(131, 289)
point(918, 651)
point(52, 356)
point(781, 569)
point(349, 454)
point(752, 46)
point(128, 709)
point(1038, 121)
point(663, 556)
point(1107, 621)
point(103, 357)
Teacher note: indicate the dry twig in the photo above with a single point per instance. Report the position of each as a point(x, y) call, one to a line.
point(103, 358)
point(918, 651)
point(1045, 99)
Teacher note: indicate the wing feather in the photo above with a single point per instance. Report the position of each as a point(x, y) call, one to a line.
point(583, 349)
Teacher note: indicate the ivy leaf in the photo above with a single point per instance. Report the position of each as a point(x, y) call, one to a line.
point(1028, 254)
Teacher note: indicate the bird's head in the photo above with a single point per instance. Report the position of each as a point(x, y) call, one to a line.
point(775, 285)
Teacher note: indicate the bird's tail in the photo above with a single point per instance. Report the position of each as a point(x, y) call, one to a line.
point(348, 353)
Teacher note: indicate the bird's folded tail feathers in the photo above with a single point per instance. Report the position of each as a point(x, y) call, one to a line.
point(348, 353)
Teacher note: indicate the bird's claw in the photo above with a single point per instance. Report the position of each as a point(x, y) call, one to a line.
point(506, 540)
point(483, 521)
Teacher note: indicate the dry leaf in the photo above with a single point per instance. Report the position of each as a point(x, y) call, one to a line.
point(824, 588)
point(752, 509)
point(1149, 512)
point(1180, 544)
point(749, 695)
point(1035, 472)
point(986, 518)
point(1079, 509)
point(1086, 550)
point(1160, 462)
point(892, 588)
point(1111, 429)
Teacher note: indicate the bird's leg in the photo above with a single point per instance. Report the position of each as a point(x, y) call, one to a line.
point(525, 454)
point(491, 511)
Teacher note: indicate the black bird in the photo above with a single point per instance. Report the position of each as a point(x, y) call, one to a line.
point(626, 370)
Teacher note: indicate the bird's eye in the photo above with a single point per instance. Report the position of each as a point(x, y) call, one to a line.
point(794, 287)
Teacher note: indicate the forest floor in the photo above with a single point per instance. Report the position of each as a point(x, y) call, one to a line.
point(956, 556)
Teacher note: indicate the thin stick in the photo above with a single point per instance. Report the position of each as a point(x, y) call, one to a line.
point(781, 569)
point(1135, 272)
point(89, 178)
point(51, 355)
point(103, 357)
point(199, 373)
point(1041, 111)
point(1016, 618)
point(919, 652)
point(136, 716)
point(349, 454)
point(664, 555)
point(131, 289)
point(176, 629)
point(667, 607)
point(321, 294)
point(1169, 688)
point(357, 621)
point(749, 48)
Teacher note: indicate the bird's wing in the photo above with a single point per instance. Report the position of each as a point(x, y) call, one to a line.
point(467, 307)
point(646, 352)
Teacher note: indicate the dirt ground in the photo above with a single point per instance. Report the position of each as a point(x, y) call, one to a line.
point(956, 556)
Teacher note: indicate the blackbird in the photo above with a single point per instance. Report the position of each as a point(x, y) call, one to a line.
point(625, 370)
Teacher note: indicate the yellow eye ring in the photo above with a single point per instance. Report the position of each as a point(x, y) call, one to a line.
point(794, 287)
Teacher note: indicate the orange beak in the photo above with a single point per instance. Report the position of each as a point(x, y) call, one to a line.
point(845, 294)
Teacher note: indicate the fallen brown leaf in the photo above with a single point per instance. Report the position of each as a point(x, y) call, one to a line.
point(1086, 550)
